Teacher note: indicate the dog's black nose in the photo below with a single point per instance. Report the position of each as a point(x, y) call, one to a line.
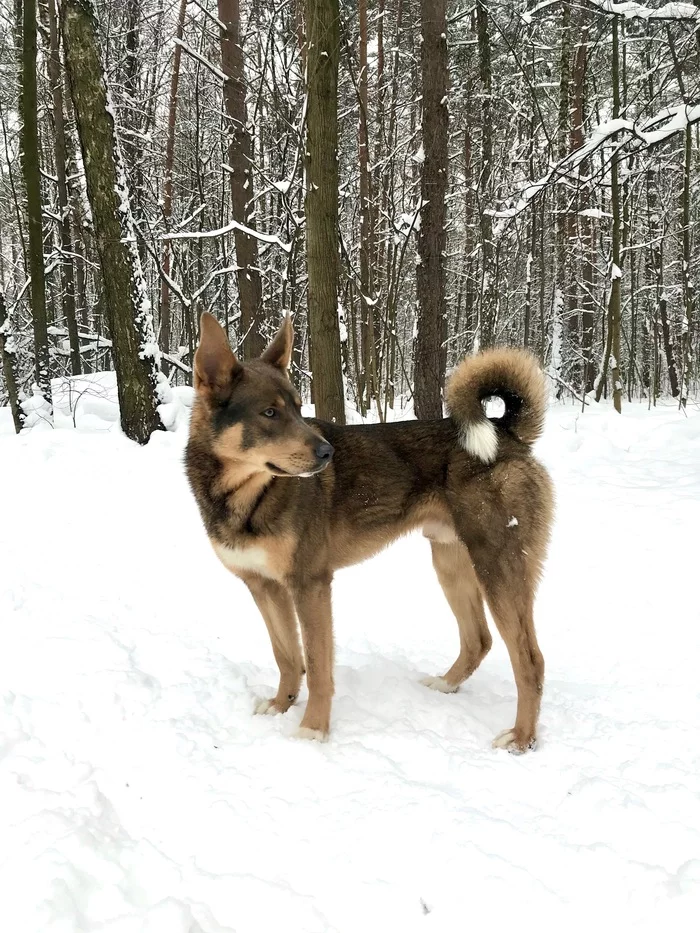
point(324, 451)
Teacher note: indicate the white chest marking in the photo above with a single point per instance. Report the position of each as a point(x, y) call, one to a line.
point(238, 559)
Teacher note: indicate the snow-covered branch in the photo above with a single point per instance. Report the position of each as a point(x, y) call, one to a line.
point(229, 228)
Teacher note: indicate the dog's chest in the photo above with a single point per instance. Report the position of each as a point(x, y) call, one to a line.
point(252, 558)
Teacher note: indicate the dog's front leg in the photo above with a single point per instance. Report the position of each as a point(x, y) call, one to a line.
point(277, 609)
point(313, 602)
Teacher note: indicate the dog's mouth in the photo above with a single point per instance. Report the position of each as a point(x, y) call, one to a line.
point(278, 471)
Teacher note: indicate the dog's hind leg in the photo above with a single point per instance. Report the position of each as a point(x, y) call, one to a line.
point(516, 625)
point(458, 581)
point(509, 590)
point(277, 609)
point(313, 603)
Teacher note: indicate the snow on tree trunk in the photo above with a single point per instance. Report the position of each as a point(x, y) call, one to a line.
point(135, 351)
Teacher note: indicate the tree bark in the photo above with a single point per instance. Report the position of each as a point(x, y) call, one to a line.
point(241, 175)
point(612, 349)
point(29, 141)
point(368, 373)
point(563, 245)
point(688, 283)
point(583, 226)
point(321, 206)
point(67, 277)
point(487, 308)
point(7, 353)
point(165, 319)
point(431, 332)
point(128, 310)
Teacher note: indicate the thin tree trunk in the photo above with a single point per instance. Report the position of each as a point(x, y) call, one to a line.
point(29, 138)
point(563, 244)
point(165, 318)
point(321, 205)
point(583, 226)
point(128, 311)
point(431, 330)
point(7, 353)
point(612, 350)
point(487, 311)
point(367, 326)
point(67, 251)
point(241, 176)
point(688, 284)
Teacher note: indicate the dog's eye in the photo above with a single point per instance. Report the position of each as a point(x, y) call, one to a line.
point(270, 413)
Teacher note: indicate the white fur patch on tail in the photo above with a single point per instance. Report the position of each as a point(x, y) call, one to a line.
point(480, 440)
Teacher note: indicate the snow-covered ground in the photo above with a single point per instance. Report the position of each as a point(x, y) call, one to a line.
point(138, 793)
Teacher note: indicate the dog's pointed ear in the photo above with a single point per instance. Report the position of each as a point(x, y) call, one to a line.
point(279, 353)
point(215, 364)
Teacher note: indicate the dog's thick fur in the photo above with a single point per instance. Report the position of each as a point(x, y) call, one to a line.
point(283, 517)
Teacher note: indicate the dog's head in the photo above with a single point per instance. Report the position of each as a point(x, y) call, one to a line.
point(252, 409)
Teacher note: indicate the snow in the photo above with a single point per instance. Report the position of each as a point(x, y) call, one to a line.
point(138, 793)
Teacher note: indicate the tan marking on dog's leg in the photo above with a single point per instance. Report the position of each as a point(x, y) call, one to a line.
point(313, 603)
point(459, 584)
point(277, 609)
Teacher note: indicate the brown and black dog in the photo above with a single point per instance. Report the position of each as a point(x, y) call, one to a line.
point(288, 501)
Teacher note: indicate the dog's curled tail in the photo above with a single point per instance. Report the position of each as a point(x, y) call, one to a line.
point(509, 374)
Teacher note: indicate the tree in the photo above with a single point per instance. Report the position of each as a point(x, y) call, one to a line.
point(241, 176)
point(611, 358)
point(128, 310)
point(165, 319)
point(431, 330)
point(7, 353)
point(68, 279)
point(321, 207)
point(487, 309)
point(31, 170)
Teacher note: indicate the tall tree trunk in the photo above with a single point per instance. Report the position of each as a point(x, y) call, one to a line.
point(367, 301)
point(688, 284)
point(239, 156)
point(165, 320)
point(321, 206)
point(67, 251)
point(612, 350)
point(431, 332)
point(583, 226)
point(487, 311)
point(563, 245)
point(655, 264)
point(7, 353)
point(29, 140)
point(128, 311)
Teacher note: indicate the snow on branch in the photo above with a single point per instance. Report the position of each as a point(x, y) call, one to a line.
point(657, 129)
point(193, 53)
point(668, 12)
point(229, 228)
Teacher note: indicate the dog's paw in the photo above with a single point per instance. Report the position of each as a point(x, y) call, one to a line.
point(514, 744)
point(439, 684)
point(266, 708)
point(303, 732)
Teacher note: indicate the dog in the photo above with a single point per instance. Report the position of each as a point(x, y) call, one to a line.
point(286, 501)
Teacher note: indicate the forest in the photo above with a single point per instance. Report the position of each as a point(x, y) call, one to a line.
point(411, 180)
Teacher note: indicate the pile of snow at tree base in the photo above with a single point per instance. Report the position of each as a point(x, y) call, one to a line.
point(138, 793)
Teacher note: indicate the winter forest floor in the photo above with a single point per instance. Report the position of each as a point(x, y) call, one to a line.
point(139, 795)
